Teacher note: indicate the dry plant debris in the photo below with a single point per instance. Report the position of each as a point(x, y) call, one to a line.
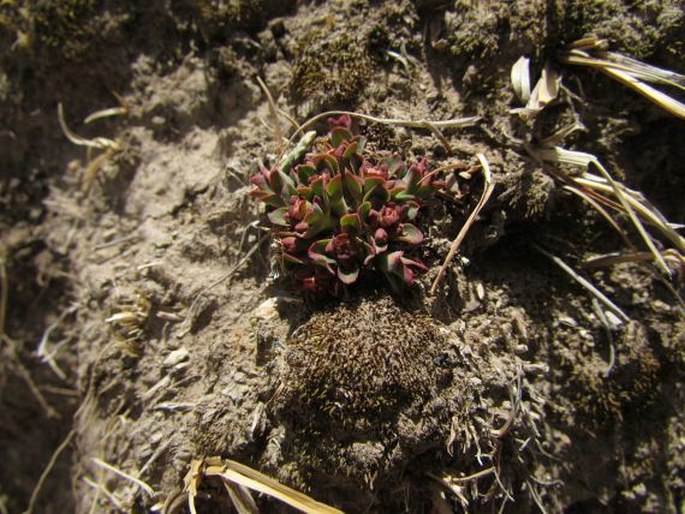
point(109, 147)
point(602, 192)
point(237, 479)
point(630, 72)
point(545, 91)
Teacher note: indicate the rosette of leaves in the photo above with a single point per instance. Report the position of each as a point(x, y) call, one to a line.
point(338, 214)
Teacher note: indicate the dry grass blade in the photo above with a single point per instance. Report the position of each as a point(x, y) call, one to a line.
point(192, 482)
point(241, 498)
point(630, 72)
point(661, 99)
point(273, 110)
point(585, 283)
point(142, 485)
point(646, 71)
point(545, 91)
point(99, 487)
point(673, 257)
point(485, 196)
point(598, 207)
point(94, 167)
point(238, 478)
point(628, 200)
point(619, 192)
point(562, 134)
point(46, 472)
point(394, 122)
point(100, 143)
point(601, 261)
point(106, 113)
point(520, 78)
point(248, 477)
point(647, 211)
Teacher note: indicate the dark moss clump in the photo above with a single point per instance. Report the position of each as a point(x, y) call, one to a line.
point(66, 29)
point(362, 397)
point(217, 19)
point(361, 365)
point(477, 32)
point(332, 67)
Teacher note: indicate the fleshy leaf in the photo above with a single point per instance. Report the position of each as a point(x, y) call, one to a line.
point(318, 187)
point(352, 186)
point(334, 188)
point(304, 171)
point(317, 255)
point(325, 161)
point(348, 277)
point(350, 223)
point(340, 134)
point(291, 258)
point(274, 200)
point(305, 192)
point(373, 188)
point(396, 168)
point(277, 217)
point(410, 234)
point(317, 221)
point(363, 211)
point(412, 210)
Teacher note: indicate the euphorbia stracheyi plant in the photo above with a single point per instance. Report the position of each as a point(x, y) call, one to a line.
point(338, 214)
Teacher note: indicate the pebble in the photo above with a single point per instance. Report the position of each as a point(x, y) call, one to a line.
point(176, 357)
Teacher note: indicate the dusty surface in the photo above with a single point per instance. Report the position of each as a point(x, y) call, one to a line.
point(145, 325)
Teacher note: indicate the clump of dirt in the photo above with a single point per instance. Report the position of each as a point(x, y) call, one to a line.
point(363, 394)
point(339, 79)
point(390, 350)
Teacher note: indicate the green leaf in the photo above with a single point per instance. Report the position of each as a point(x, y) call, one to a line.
point(274, 200)
point(305, 192)
point(396, 167)
point(352, 187)
point(404, 196)
point(288, 184)
point(425, 192)
point(334, 189)
point(289, 258)
point(318, 188)
point(350, 151)
point(340, 134)
point(316, 254)
point(374, 187)
point(411, 178)
point(325, 162)
point(410, 234)
point(350, 223)
point(363, 211)
point(361, 142)
point(304, 171)
point(277, 217)
point(412, 210)
point(317, 220)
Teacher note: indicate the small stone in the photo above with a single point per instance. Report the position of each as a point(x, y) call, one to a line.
point(176, 357)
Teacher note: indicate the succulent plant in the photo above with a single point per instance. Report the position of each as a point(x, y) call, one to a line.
point(338, 214)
